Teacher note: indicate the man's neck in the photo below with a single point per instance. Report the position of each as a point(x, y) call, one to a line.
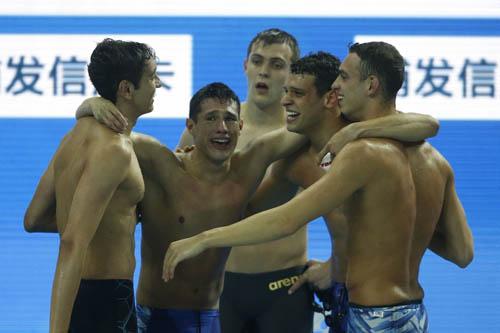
point(271, 116)
point(379, 109)
point(326, 128)
point(200, 167)
point(129, 114)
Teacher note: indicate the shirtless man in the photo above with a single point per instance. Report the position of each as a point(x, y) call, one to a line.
point(187, 193)
point(313, 112)
point(89, 195)
point(248, 304)
point(397, 200)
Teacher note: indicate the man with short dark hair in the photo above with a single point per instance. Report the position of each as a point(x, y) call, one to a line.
point(247, 303)
point(312, 110)
point(89, 195)
point(189, 192)
point(398, 200)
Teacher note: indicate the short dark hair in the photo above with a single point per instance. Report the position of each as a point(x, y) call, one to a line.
point(115, 60)
point(276, 36)
point(322, 65)
point(216, 90)
point(384, 61)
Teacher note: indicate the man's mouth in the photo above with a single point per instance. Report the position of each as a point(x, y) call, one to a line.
point(291, 115)
point(261, 87)
point(339, 98)
point(220, 143)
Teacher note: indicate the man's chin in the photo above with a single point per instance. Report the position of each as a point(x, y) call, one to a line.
point(293, 128)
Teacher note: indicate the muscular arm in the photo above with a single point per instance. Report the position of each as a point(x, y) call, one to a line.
point(274, 190)
point(98, 183)
point(41, 213)
point(261, 152)
point(350, 171)
point(154, 157)
point(405, 127)
point(452, 238)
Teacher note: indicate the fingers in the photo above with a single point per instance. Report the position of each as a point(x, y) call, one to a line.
point(302, 279)
point(118, 120)
point(312, 262)
point(169, 264)
point(326, 149)
point(185, 149)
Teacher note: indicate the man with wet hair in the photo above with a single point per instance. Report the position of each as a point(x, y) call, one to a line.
point(248, 303)
point(89, 194)
point(189, 192)
point(398, 201)
point(312, 110)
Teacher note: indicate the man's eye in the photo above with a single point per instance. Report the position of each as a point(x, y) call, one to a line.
point(278, 65)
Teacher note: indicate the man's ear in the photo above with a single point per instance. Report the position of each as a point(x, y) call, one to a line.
point(245, 64)
point(125, 89)
point(330, 99)
point(190, 124)
point(373, 85)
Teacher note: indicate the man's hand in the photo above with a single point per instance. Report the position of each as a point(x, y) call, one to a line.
point(178, 251)
point(104, 111)
point(339, 140)
point(317, 274)
point(185, 149)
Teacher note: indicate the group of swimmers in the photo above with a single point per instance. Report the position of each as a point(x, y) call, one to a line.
point(224, 236)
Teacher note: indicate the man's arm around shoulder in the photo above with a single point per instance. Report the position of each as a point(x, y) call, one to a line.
point(273, 146)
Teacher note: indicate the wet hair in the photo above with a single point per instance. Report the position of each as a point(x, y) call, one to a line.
point(276, 36)
point(322, 65)
point(216, 90)
point(384, 61)
point(115, 60)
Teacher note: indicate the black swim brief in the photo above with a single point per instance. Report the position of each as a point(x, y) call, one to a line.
point(260, 303)
point(104, 306)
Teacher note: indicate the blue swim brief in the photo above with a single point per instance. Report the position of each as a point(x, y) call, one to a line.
point(152, 320)
point(402, 318)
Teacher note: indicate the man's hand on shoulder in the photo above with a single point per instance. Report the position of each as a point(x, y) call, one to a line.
point(104, 111)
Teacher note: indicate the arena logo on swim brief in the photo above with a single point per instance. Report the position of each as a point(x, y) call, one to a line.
point(449, 77)
point(46, 75)
point(286, 282)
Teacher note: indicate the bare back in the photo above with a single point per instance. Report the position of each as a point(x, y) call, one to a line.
point(381, 218)
point(110, 254)
point(430, 173)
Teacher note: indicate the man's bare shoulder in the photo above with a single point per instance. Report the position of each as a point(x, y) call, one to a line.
point(144, 139)
point(88, 139)
point(116, 152)
point(425, 154)
point(371, 157)
point(147, 145)
point(373, 148)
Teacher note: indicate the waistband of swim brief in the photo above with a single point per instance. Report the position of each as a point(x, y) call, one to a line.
point(354, 305)
point(296, 270)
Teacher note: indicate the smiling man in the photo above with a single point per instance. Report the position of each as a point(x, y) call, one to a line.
point(189, 192)
point(89, 195)
point(398, 201)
